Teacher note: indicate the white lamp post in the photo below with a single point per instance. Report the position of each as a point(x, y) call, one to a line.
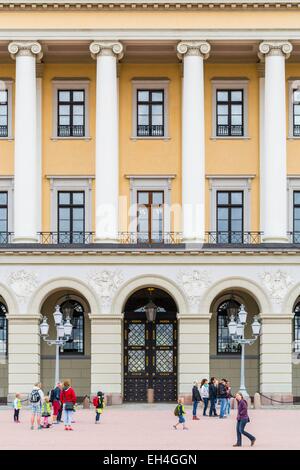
point(63, 333)
point(237, 332)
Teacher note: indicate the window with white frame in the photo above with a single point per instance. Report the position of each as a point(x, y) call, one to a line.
point(71, 112)
point(294, 107)
point(5, 109)
point(150, 108)
point(229, 108)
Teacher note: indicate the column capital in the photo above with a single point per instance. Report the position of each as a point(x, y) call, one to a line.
point(107, 48)
point(273, 48)
point(25, 48)
point(193, 48)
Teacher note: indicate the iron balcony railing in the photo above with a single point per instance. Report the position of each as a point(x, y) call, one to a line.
point(65, 238)
point(294, 237)
point(140, 238)
point(150, 131)
point(70, 131)
point(6, 237)
point(233, 130)
point(296, 131)
point(3, 131)
point(247, 238)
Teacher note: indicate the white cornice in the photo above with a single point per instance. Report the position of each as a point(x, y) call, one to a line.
point(150, 34)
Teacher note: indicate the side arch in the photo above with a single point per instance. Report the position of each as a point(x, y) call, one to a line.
point(53, 285)
point(290, 300)
point(10, 300)
point(241, 284)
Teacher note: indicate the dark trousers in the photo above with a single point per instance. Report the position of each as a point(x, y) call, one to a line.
point(58, 418)
point(195, 406)
point(16, 415)
point(205, 401)
point(212, 409)
point(240, 429)
point(98, 416)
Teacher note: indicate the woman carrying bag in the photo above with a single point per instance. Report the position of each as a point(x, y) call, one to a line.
point(68, 399)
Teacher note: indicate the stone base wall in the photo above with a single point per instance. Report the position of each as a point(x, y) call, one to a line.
point(231, 369)
point(77, 370)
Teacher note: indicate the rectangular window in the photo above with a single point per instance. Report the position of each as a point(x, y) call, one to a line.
point(229, 113)
point(150, 216)
point(71, 217)
point(150, 113)
point(3, 217)
point(296, 113)
point(71, 113)
point(296, 217)
point(230, 216)
point(3, 113)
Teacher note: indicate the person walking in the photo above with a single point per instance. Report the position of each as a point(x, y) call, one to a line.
point(36, 400)
point(98, 402)
point(229, 396)
point(68, 399)
point(242, 420)
point(196, 397)
point(222, 396)
point(56, 403)
point(180, 412)
point(204, 393)
point(17, 407)
point(212, 390)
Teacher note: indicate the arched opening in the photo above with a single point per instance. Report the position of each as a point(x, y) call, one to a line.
point(296, 351)
point(225, 353)
point(150, 346)
point(3, 350)
point(75, 355)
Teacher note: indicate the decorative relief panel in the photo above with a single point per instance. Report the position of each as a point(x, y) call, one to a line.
point(277, 284)
point(23, 283)
point(194, 284)
point(105, 283)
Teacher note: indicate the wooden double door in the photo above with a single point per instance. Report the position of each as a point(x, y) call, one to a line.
point(150, 359)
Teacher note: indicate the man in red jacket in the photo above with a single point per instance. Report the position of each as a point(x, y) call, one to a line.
point(68, 399)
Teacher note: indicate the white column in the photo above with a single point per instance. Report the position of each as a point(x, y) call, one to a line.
point(26, 154)
point(193, 140)
point(261, 75)
point(39, 91)
point(107, 54)
point(274, 193)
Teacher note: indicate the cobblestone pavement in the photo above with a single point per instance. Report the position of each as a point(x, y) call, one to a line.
point(150, 427)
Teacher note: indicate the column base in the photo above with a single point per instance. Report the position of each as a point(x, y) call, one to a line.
point(272, 239)
point(25, 239)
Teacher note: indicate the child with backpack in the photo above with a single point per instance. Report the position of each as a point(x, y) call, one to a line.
point(36, 399)
point(17, 407)
point(46, 412)
point(98, 402)
point(180, 412)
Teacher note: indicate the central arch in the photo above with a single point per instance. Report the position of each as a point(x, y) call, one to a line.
point(150, 346)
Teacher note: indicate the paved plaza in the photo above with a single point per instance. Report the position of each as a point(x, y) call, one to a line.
point(150, 427)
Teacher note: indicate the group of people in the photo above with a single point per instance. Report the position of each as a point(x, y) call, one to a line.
point(210, 393)
point(47, 410)
point(213, 392)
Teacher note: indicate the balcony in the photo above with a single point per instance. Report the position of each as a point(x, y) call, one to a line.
point(3, 131)
point(150, 131)
point(140, 238)
point(230, 131)
point(70, 131)
point(65, 238)
point(234, 238)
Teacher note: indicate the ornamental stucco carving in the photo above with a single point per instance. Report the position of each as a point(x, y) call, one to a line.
point(196, 48)
point(275, 48)
point(108, 48)
point(23, 283)
point(105, 283)
point(25, 48)
point(277, 284)
point(194, 284)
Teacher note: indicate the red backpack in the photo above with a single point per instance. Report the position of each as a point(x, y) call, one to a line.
point(95, 401)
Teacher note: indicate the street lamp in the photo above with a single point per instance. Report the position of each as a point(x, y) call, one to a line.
point(236, 327)
point(63, 333)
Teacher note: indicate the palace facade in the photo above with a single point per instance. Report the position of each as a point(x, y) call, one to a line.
point(150, 153)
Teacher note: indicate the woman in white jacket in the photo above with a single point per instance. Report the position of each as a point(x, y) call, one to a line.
point(204, 392)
